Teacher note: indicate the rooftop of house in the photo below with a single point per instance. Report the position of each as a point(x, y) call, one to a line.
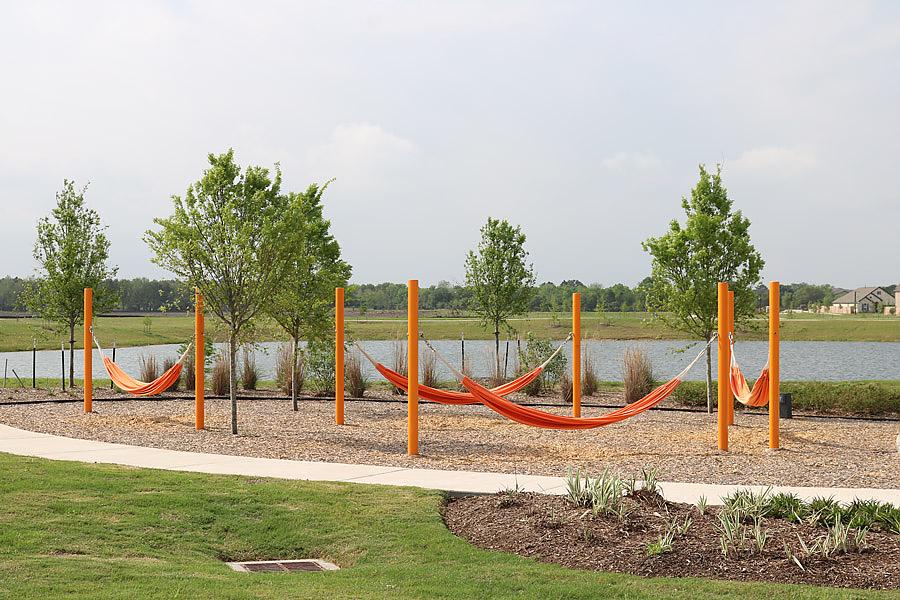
point(859, 294)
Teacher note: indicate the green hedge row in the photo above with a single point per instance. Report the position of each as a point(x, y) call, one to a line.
point(863, 398)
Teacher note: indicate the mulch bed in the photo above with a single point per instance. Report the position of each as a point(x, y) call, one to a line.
point(553, 530)
point(816, 452)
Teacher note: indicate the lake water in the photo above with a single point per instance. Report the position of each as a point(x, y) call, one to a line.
point(799, 360)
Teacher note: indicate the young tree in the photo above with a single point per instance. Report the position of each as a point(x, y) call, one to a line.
point(500, 279)
point(301, 305)
point(72, 252)
point(713, 245)
point(226, 237)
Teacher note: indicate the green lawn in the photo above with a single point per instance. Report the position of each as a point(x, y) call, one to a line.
point(90, 531)
point(19, 334)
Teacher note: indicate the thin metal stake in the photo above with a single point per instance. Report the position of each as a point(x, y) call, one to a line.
point(62, 353)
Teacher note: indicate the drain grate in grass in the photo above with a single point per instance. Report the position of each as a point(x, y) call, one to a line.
point(283, 566)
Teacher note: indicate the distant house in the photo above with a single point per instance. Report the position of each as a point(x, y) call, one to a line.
point(862, 300)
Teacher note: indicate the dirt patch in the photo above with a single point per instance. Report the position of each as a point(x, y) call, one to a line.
point(552, 529)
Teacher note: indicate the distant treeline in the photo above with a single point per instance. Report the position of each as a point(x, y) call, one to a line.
point(547, 297)
point(155, 295)
point(135, 295)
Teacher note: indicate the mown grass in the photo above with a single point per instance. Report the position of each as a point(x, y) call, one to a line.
point(19, 334)
point(90, 531)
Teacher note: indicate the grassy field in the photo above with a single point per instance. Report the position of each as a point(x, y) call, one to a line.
point(89, 531)
point(19, 334)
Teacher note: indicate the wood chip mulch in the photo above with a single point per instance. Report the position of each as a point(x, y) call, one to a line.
point(816, 452)
point(552, 529)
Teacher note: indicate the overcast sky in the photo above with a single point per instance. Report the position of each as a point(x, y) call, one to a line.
point(582, 122)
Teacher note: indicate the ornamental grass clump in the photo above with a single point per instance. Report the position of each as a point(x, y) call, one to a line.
point(168, 363)
point(429, 369)
point(188, 371)
point(249, 370)
point(356, 379)
point(219, 376)
point(637, 374)
point(149, 367)
point(398, 360)
point(590, 381)
point(283, 360)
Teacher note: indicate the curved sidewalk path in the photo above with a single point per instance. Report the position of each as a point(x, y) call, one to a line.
point(42, 445)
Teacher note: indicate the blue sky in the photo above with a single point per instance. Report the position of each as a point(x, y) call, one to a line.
point(582, 122)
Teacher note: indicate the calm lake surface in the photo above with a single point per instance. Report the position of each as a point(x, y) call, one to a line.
point(833, 361)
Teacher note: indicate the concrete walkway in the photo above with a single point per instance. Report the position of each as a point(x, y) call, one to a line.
point(42, 445)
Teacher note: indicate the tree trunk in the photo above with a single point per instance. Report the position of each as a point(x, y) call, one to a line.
point(709, 400)
point(232, 382)
point(293, 374)
point(71, 354)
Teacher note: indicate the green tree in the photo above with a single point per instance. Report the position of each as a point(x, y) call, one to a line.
point(689, 261)
point(226, 237)
point(501, 280)
point(72, 251)
point(302, 303)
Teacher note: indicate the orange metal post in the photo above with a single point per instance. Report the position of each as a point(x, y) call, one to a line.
point(88, 350)
point(724, 389)
point(412, 365)
point(199, 362)
point(576, 354)
point(339, 355)
point(774, 367)
point(730, 403)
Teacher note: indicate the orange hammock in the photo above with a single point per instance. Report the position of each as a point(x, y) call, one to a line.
point(451, 397)
point(759, 395)
point(129, 384)
point(538, 418)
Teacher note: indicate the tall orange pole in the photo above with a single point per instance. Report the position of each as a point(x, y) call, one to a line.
point(339, 355)
point(88, 350)
point(412, 364)
point(724, 389)
point(199, 362)
point(730, 403)
point(576, 354)
point(774, 366)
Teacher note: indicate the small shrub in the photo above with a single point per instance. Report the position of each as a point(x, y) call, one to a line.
point(283, 368)
point(219, 376)
point(149, 368)
point(535, 353)
point(429, 369)
point(320, 364)
point(168, 363)
point(249, 370)
point(590, 381)
point(637, 374)
point(356, 379)
point(398, 360)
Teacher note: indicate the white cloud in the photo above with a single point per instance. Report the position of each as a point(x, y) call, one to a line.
point(775, 160)
point(631, 160)
point(361, 153)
